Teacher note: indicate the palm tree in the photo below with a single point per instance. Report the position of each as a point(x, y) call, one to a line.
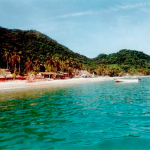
point(48, 63)
point(62, 65)
point(14, 59)
point(36, 65)
point(7, 57)
point(29, 64)
point(55, 61)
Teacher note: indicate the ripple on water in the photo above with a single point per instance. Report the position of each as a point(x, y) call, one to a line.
point(101, 115)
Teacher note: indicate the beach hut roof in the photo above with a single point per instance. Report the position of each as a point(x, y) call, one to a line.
point(48, 73)
point(2, 76)
point(5, 72)
point(84, 72)
point(9, 76)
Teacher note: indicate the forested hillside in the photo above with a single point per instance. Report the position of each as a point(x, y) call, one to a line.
point(25, 51)
point(124, 61)
point(124, 57)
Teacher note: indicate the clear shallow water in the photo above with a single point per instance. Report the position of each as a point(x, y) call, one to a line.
point(102, 115)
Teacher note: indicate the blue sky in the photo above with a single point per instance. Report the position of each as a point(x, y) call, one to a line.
point(88, 27)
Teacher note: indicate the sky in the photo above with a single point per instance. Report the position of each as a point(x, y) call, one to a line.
point(88, 27)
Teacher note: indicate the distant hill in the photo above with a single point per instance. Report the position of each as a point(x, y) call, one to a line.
point(124, 57)
point(100, 58)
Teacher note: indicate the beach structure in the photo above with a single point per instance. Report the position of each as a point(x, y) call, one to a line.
point(83, 74)
point(5, 74)
point(66, 74)
point(2, 78)
point(59, 76)
point(19, 77)
point(48, 74)
point(54, 75)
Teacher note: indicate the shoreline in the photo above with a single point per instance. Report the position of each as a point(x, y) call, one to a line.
point(11, 90)
point(17, 89)
point(18, 85)
point(21, 85)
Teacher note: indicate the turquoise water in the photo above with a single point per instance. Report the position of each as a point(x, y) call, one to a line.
point(102, 115)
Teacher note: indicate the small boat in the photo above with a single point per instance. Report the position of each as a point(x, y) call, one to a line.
point(127, 80)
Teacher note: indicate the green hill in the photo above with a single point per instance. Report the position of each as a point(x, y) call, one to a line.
point(33, 49)
point(126, 61)
point(25, 51)
point(124, 57)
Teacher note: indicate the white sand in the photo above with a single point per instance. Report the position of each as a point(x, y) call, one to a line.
point(21, 85)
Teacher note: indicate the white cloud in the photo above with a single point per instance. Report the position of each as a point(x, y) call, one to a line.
point(77, 14)
point(133, 6)
point(111, 9)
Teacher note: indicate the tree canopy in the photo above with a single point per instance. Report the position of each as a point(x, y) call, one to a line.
point(25, 51)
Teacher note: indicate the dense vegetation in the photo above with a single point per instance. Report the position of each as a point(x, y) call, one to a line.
point(25, 51)
point(124, 61)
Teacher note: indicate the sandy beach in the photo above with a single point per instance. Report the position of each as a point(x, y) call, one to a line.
point(17, 89)
point(23, 84)
point(18, 85)
point(21, 88)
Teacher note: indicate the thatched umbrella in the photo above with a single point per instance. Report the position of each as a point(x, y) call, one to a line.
point(84, 73)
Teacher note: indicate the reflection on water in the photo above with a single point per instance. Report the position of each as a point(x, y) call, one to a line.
point(30, 94)
point(102, 115)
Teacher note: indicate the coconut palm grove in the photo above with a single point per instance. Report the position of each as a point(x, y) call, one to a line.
point(31, 51)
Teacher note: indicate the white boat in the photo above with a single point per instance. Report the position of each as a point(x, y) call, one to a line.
point(127, 80)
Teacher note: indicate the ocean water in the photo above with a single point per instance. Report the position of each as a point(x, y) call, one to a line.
point(102, 115)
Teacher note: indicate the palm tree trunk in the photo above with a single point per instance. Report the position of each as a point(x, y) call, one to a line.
point(19, 68)
point(15, 69)
point(7, 63)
